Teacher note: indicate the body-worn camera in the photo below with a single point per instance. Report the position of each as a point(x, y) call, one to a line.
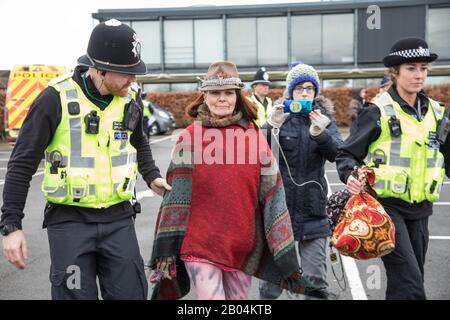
point(444, 127)
point(394, 126)
point(131, 115)
point(92, 122)
point(298, 106)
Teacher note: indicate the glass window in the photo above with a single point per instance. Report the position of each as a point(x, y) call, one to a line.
point(148, 33)
point(438, 80)
point(208, 42)
point(338, 38)
point(316, 39)
point(183, 87)
point(333, 83)
point(438, 34)
point(272, 41)
point(306, 33)
point(178, 41)
point(156, 87)
point(241, 39)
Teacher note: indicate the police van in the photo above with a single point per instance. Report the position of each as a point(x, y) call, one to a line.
point(24, 85)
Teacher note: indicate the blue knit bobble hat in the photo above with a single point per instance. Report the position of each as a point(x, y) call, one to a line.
point(301, 73)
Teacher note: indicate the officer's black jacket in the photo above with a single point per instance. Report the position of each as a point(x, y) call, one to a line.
point(365, 130)
point(37, 131)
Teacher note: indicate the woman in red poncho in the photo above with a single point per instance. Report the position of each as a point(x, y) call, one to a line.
point(225, 218)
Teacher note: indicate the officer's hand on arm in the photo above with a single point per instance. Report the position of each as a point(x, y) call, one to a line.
point(159, 186)
point(354, 186)
point(277, 116)
point(319, 123)
point(15, 248)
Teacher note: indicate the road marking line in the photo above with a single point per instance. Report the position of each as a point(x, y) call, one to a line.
point(439, 238)
point(441, 203)
point(354, 280)
point(334, 184)
point(144, 194)
point(162, 139)
point(351, 270)
point(329, 184)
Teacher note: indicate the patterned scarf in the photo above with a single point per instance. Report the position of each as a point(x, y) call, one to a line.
point(204, 115)
point(273, 257)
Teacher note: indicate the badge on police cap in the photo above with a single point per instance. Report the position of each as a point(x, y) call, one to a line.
point(136, 46)
point(113, 23)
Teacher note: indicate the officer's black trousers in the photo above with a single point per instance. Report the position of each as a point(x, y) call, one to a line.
point(405, 265)
point(81, 252)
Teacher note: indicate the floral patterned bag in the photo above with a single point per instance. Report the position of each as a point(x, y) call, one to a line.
point(364, 229)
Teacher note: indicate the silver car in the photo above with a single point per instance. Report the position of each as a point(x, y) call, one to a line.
point(160, 122)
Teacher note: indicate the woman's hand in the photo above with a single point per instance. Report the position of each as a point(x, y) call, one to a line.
point(319, 123)
point(277, 116)
point(163, 266)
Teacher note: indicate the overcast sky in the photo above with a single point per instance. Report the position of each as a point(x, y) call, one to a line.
point(56, 32)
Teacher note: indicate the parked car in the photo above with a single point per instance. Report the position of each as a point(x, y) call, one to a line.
point(159, 122)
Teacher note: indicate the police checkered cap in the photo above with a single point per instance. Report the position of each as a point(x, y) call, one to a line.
point(412, 53)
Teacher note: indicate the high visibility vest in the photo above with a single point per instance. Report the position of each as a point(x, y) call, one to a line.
point(147, 111)
point(410, 167)
point(263, 113)
point(95, 170)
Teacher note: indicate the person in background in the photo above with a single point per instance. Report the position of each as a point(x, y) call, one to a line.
point(355, 106)
point(385, 84)
point(148, 111)
point(260, 87)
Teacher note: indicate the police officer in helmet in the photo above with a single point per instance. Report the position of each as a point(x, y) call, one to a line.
point(259, 97)
point(89, 124)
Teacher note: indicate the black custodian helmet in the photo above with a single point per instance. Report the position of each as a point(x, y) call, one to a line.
point(261, 76)
point(114, 46)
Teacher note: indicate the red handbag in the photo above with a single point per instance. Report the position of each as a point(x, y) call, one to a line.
point(364, 229)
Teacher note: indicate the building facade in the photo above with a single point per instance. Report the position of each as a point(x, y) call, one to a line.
point(342, 39)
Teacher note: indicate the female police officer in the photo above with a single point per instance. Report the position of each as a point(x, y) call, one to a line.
point(397, 136)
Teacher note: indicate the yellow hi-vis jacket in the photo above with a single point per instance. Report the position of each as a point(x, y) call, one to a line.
point(410, 167)
point(147, 112)
point(263, 113)
point(94, 170)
